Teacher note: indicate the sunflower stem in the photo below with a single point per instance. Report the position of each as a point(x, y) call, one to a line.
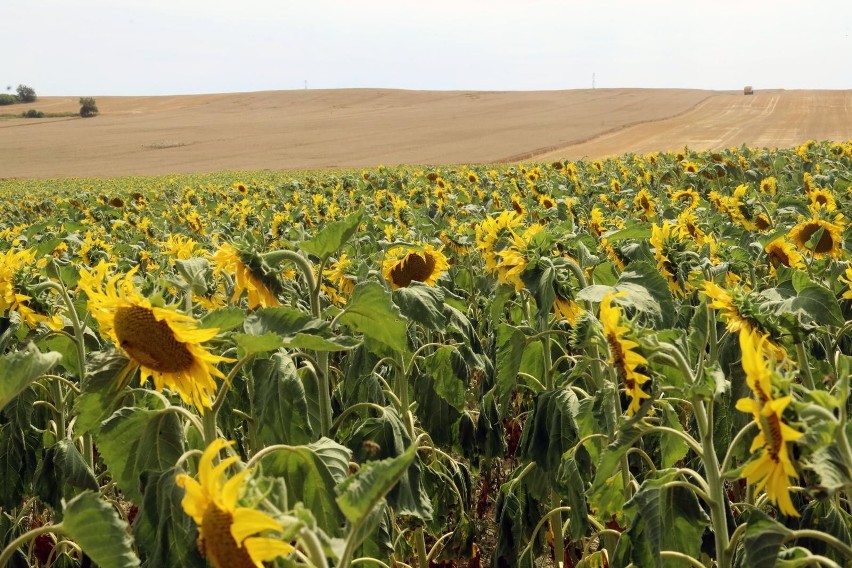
point(313, 548)
point(802, 357)
point(715, 484)
point(24, 538)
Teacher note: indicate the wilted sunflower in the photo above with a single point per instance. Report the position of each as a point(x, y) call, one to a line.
point(668, 240)
point(403, 265)
point(824, 236)
point(248, 276)
point(739, 313)
point(566, 308)
point(338, 274)
point(622, 354)
point(227, 534)
point(163, 342)
point(772, 468)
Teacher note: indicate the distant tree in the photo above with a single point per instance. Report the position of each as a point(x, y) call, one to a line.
point(32, 113)
point(26, 94)
point(88, 107)
point(8, 99)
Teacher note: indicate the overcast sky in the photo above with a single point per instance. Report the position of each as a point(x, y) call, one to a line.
point(155, 47)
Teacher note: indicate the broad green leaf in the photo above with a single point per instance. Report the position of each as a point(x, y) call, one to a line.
point(223, 319)
point(359, 494)
point(280, 406)
point(828, 464)
point(317, 343)
point(94, 524)
point(332, 236)
point(762, 540)
point(647, 291)
point(61, 469)
point(283, 321)
point(101, 391)
point(249, 344)
point(311, 473)
point(510, 351)
point(551, 430)
point(820, 305)
point(385, 436)
point(570, 484)
point(67, 347)
point(164, 533)
point(371, 312)
point(195, 272)
point(20, 369)
point(422, 304)
point(672, 448)
point(449, 373)
point(636, 231)
point(823, 515)
point(134, 440)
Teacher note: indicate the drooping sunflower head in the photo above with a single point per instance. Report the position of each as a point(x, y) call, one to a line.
point(228, 535)
point(164, 343)
point(250, 274)
point(624, 358)
point(818, 237)
point(403, 265)
point(644, 201)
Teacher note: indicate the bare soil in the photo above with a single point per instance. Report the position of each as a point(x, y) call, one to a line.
point(353, 128)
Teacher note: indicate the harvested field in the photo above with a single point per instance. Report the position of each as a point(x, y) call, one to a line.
point(352, 128)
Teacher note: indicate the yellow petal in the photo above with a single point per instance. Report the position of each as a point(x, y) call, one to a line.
point(231, 491)
point(261, 549)
point(247, 522)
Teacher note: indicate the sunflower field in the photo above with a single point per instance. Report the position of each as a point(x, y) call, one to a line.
point(639, 361)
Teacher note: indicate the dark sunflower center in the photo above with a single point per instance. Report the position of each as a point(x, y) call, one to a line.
point(413, 267)
point(778, 256)
point(825, 243)
point(150, 342)
point(218, 545)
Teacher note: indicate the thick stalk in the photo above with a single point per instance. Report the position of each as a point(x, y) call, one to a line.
point(555, 500)
point(717, 495)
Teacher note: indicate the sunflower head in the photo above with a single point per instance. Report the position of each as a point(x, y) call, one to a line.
point(228, 535)
point(626, 361)
point(403, 265)
point(250, 274)
point(782, 252)
point(164, 343)
point(818, 236)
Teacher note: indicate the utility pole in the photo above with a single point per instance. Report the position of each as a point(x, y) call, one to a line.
point(306, 84)
point(593, 80)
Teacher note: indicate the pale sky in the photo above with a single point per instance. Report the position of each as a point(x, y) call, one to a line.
point(158, 47)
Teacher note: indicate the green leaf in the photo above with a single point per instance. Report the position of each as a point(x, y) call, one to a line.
point(385, 436)
point(672, 448)
point(440, 396)
point(283, 321)
point(510, 351)
point(165, 534)
point(20, 369)
point(819, 304)
point(61, 468)
point(280, 405)
point(422, 304)
point(223, 319)
point(67, 347)
point(134, 440)
point(249, 344)
point(195, 272)
point(647, 291)
point(101, 391)
point(359, 494)
point(762, 540)
point(317, 343)
point(332, 236)
point(570, 483)
point(371, 312)
point(448, 371)
point(551, 430)
point(94, 524)
point(311, 473)
point(828, 464)
point(636, 231)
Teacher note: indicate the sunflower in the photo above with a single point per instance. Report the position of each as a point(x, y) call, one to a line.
point(847, 279)
point(821, 199)
point(769, 185)
point(227, 534)
point(782, 252)
point(818, 236)
point(690, 167)
point(669, 241)
point(403, 265)
point(338, 274)
point(622, 354)
point(687, 197)
point(772, 469)
point(163, 342)
point(13, 265)
point(645, 202)
point(248, 276)
point(739, 314)
point(566, 308)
